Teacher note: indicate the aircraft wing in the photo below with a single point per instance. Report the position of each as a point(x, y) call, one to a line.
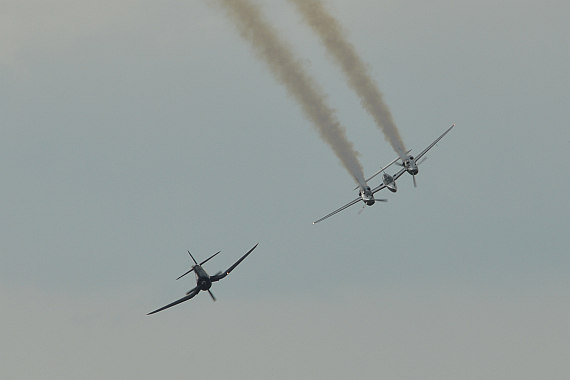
point(378, 188)
point(433, 143)
point(384, 168)
point(399, 174)
point(190, 295)
point(218, 277)
point(395, 176)
point(339, 210)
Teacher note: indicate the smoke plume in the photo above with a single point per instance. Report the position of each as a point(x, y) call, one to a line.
point(344, 54)
point(289, 71)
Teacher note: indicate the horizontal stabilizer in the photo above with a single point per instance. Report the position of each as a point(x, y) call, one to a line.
point(205, 261)
point(384, 168)
point(185, 273)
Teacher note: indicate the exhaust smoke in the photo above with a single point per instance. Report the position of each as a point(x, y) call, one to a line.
point(282, 63)
point(343, 53)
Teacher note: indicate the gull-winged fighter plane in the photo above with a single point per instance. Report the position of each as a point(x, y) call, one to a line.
point(203, 280)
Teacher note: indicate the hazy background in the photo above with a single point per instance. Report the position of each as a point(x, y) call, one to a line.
point(134, 130)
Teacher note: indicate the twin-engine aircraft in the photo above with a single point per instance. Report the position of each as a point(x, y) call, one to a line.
point(409, 164)
point(203, 280)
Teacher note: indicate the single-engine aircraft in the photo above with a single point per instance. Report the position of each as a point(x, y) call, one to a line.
point(203, 280)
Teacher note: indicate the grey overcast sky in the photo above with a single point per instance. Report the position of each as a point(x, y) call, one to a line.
point(135, 130)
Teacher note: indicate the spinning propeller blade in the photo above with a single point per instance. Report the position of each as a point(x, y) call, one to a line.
point(211, 295)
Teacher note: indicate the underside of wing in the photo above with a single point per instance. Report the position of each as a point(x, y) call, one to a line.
point(399, 174)
point(219, 276)
point(190, 295)
point(339, 210)
point(378, 188)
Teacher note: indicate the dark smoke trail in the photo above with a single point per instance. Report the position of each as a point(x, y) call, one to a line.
point(282, 63)
point(344, 54)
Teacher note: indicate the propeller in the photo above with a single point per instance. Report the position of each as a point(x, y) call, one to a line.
point(211, 295)
point(377, 200)
point(418, 164)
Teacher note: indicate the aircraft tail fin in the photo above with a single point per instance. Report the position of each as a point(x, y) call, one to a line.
point(196, 263)
point(193, 259)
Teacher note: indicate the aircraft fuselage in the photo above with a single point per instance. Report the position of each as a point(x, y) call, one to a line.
point(202, 278)
point(388, 180)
